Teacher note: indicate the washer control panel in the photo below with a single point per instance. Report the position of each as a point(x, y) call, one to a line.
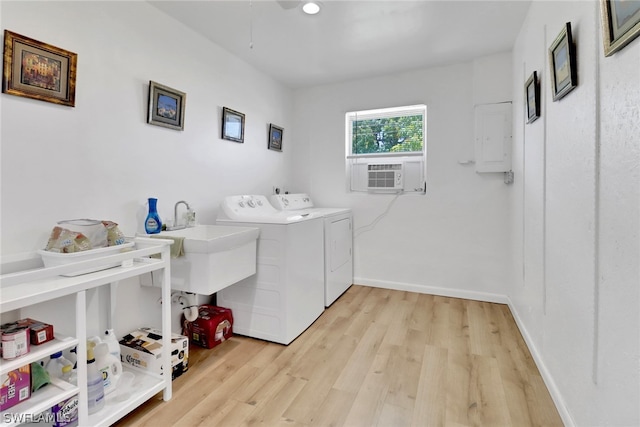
point(239, 206)
point(287, 202)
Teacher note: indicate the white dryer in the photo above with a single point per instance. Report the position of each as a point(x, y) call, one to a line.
point(338, 241)
point(286, 295)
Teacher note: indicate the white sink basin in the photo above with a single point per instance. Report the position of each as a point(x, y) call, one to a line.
point(213, 238)
point(215, 256)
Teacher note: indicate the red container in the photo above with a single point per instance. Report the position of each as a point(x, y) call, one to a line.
point(213, 326)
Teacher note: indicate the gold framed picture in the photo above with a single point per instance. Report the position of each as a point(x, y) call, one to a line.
point(166, 106)
point(232, 125)
point(532, 97)
point(620, 23)
point(562, 59)
point(33, 69)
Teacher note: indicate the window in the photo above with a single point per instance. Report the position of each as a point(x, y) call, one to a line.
point(386, 149)
point(390, 130)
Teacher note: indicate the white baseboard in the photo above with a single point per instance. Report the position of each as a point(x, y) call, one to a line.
point(486, 297)
point(544, 372)
point(433, 290)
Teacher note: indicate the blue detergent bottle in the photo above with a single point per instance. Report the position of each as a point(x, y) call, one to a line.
point(152, 225)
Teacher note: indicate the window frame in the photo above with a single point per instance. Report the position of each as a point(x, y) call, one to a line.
point(391, 112)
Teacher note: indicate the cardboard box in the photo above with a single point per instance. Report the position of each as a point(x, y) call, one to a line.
point(142, 348)
point(16, 387)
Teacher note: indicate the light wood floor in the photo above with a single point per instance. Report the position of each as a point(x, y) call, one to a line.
point(375, 357)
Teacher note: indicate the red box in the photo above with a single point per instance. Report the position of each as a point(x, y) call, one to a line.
point(15, 387)
point(213, 325)
point(40, 332)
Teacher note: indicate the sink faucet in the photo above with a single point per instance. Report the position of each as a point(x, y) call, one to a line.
point(175, 215)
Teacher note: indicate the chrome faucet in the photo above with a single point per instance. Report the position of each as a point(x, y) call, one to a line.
point(175, 216)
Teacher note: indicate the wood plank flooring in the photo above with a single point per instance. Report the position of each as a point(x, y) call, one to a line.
point(376, 357)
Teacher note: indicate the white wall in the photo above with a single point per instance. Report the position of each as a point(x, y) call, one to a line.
point(454, 240)
point(101, 159)
point(576, 210)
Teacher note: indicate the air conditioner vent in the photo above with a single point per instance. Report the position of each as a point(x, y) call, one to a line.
point(388, 176)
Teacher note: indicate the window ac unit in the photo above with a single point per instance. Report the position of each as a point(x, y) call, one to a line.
point(388, 176)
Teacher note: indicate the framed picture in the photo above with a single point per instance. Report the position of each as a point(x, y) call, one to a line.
point(275, 137)
point(532, 96)
point(37, 70)
point(166, 106)
point(562, 59)
point(620, 23)
point(232, 125)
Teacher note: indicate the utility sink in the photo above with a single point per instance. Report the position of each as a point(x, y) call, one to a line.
point(204, 239)
point(215, 256)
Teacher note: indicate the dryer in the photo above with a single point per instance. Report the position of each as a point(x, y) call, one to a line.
point(338, 241)
point(286, 295)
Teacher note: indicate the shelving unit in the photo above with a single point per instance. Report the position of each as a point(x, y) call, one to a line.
point(25, 288)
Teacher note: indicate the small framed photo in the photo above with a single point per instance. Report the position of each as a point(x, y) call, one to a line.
point(532, 96)
point(620, 23)
point(562, 59)
point(275, 137)
point(166, 106)
point(232, 125)
point(37, 70)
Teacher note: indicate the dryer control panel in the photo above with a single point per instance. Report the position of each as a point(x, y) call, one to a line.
point(288, 202)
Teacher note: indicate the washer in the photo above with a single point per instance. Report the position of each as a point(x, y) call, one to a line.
point(338, 241)
point(286, 295)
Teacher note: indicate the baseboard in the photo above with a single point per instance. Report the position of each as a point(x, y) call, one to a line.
point(544, 372)
point(433, 290)
point(486, 297)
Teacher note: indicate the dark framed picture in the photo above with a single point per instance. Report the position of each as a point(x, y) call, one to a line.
point(275, 137)
point(532, 97)
point(37, 70)
point(620, 23)
point(166, 106)
point(232, 125)
point(562, 60)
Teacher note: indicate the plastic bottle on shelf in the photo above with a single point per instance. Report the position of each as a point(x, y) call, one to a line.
point(55, 365)
point(95, 385)
point(109, 366)
point(68, 375)
point(112, 343)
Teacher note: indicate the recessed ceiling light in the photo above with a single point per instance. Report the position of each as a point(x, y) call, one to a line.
point(311, 7)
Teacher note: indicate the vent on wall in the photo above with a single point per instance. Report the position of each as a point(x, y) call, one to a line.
point(387, 176)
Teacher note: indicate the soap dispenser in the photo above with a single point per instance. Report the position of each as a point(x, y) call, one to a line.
point(153, 225)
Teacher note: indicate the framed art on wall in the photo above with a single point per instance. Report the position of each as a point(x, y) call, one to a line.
point(275, 137)
point(562, 60)
point(166, 106)
point(37, 70)
point(532, 97)
point(620, 23)
point(232, 125)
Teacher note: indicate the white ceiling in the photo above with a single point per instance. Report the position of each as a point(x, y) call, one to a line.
point(352, 38)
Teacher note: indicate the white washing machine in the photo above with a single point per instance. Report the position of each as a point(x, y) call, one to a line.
point(286, 295)
point(338, 241)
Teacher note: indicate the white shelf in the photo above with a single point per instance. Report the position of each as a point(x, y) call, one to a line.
point(43, 284)
point(145, 386)
point(39, 352)
point(38, 285)
point(39, 401)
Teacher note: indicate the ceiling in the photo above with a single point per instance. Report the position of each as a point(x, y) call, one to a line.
point(352, 38)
